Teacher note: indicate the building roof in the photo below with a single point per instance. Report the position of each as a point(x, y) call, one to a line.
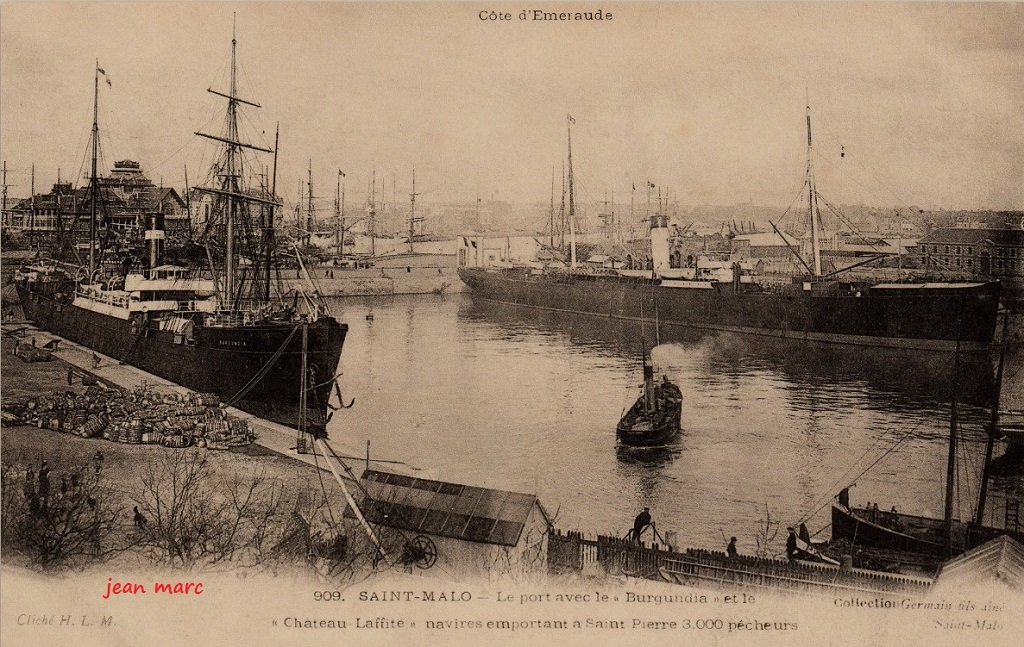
point(445, 509)
point(958, 236)
point(1000, 559)
point(767, 239)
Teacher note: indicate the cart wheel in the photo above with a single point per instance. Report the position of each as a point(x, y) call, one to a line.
point(421, 552)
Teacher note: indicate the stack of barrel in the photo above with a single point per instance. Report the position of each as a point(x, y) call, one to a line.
point(139, 416)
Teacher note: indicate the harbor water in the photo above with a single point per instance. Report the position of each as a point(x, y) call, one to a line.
point(526, 400)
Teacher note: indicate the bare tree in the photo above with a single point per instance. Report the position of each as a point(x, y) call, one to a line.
point(71, 525)
point(179, 519)
point(526, 563)
point(190, 519)
point(767, 531)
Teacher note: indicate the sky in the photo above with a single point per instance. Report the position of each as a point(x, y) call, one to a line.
point(912, 104)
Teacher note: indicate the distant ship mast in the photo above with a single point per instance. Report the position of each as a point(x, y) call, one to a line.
point(412, 212)
point(339, 215)
point(310, 213)
point(371, 223)
point(572, 201)
point(551, 212)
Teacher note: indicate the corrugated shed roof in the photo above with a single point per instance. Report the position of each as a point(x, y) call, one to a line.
point(445, 509)
point(957, 236)
point(1001, 559)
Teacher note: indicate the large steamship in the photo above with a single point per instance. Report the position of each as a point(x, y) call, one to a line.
point(816, 307)
point(215, 329)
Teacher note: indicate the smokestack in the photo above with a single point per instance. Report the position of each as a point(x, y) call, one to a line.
point(155, 236)
point(659, 243)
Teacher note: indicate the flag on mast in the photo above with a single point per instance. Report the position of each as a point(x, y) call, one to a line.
point(105, 76)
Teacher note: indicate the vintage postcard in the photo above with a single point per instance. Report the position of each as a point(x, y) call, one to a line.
point(374, 323)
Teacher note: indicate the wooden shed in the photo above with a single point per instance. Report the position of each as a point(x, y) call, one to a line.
point(476, 531)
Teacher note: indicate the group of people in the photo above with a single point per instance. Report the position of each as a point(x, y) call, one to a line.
point(37, 487)
point(889, 519)
point(793, 550)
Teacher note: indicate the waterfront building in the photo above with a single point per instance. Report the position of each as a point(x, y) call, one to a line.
point(981, 253)
point(127, 197)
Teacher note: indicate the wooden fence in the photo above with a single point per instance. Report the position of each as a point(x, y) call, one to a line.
point(572, 552)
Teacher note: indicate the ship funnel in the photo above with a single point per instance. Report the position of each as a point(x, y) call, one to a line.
point(155, 236)
point(659, 243)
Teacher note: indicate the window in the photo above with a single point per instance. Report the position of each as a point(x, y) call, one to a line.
point(947, 249)
point(958, 249)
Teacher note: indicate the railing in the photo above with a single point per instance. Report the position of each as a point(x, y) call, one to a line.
point(572, 552)
point(248, 313)
point(121, 301)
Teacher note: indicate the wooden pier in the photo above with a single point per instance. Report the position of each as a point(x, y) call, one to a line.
point(571, 552)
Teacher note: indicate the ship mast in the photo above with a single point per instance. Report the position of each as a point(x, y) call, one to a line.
point(993, 427)
point(412, 212)
point(812, 200)
point(3, 205)
point(94, 182)
point(231, 188)
point(269, 239)
point(339, 225)
point(561, 215)
point(371, 224)
point(231, 181)
point(309, 204)
point(951, 459)
point(32, 209)
point(551, 212)
point(572, 202)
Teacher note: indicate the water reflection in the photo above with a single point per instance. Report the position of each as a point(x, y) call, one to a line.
point(648, 457)
point(528, 400)
point(900, 380)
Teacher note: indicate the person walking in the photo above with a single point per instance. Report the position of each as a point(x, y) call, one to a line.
point(44, 481)
point(730, 550)
point(791, 545)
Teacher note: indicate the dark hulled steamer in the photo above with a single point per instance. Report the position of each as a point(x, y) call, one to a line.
point(912, 316)
point(214, 359)
point(920, 316)
point(214, 329)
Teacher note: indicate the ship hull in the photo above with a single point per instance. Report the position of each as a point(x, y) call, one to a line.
point(911, 317)
point(643, 428)
point(231, 362)
point(910, 533)
point(919, 535)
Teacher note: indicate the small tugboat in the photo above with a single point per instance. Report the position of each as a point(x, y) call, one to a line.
point(655, 417)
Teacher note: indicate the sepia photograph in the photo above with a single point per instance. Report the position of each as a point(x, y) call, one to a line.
point(455, 323)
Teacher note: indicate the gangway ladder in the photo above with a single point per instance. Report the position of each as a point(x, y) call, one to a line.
point(140, 333)
point(1012, 517)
